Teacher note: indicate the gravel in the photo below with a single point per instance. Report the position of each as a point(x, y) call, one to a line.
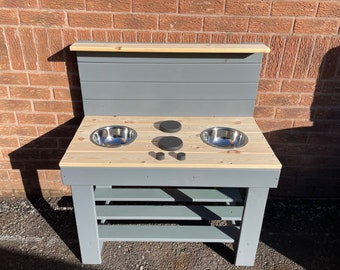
point(296, 234)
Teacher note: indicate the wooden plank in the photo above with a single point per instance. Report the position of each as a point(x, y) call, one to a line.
point(141, 72)
point(168, 91)
point(168, 212)
point(167, 48)
point(170, 107)
point(157, 233)
point(224, 195)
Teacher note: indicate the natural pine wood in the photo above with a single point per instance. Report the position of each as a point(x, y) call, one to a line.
point(141, 153)
point(168, 48)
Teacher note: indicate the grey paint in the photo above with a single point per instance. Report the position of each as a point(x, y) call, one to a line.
point(169, 84)
point(171, 177)
point(251, 226)
point(167, 233)
point(168, 212)
point(227, 195)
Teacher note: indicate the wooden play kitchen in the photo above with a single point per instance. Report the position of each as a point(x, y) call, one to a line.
point(168, 140)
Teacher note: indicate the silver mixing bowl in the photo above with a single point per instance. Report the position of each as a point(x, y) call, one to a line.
point(113, 136)
point(224, 137)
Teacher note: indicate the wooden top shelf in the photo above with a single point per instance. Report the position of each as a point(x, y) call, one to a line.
point(257, 154)
point(168, 47)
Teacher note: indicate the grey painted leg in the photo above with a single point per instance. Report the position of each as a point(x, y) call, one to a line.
point(251, 226)
point(85, 212)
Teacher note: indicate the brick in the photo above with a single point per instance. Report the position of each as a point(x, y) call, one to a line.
point(271, 25)
point(303, 123)
point(326, 100)
point(4, 59)
point(16, 56)
point(84, 34)
point(129, 36)
point(135, 22)
point(316, 26)
point(294, 8)
point(25, 92)
point(3, 92)
point(264, 112)
point(328, 87)
point(99, 35)
point(8, 17)
point(114, 36)
point(289, 57)
point(203, 38)
point(268, 85)
point(180, 23)
point(234, 38)
point(49, 79)
point(62, 94)
point(43, 52)
point(15, 105)
point(19, 3)
point(155, 6)
point(298, 86)
point(28, 48)
point(9, 142)
point(42, 18)
point(267, 125)
point(189, 38)
point(248, 7)
point(320, 50)
point(53, 106)
point(159, 37)
point(280, 99)
point(62, 4)
point(57, 50)
point(249, 38)
point(225, 24)
point(36, 119)
point(304, 57)
point(275, 57)
point(21, 130)
point(201, 7)
point(265, 39)
point(93, 20)
point(112, 5)
point(144, 36)
point(329, 9)
point(63, 118)
point(306, 100)
point(293, 113)
point(175, 37)
point(13, 78)
point(7, 118)
point(219, 38)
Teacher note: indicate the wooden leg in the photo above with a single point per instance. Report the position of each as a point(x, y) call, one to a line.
point(85, 212)
point(251, 226)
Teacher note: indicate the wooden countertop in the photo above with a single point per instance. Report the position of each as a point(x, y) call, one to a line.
point(141, 153)
point(82, 46)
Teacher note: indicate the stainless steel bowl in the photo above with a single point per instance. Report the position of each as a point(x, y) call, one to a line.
point(224, 137)
point(113, 136)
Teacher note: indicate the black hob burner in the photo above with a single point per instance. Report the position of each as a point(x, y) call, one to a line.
point(170, 143)
point(170, 126)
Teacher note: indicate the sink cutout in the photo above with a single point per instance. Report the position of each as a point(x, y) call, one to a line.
point(113, 136)
point(224, 137)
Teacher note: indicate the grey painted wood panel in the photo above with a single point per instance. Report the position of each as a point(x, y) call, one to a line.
point(141, 72)
point(226, 195)
point(157, 233)
point(168, 212)
point(171, 177)
point(170, 107)
point(168, 90)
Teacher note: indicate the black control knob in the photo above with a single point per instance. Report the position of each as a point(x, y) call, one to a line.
point(181, 156)
point(160, 156)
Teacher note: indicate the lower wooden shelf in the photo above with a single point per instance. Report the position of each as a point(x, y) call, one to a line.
point(160, 233)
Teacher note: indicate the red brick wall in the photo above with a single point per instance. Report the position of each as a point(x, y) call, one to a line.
point(298, 97)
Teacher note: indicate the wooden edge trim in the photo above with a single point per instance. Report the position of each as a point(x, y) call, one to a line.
point(168, 47)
